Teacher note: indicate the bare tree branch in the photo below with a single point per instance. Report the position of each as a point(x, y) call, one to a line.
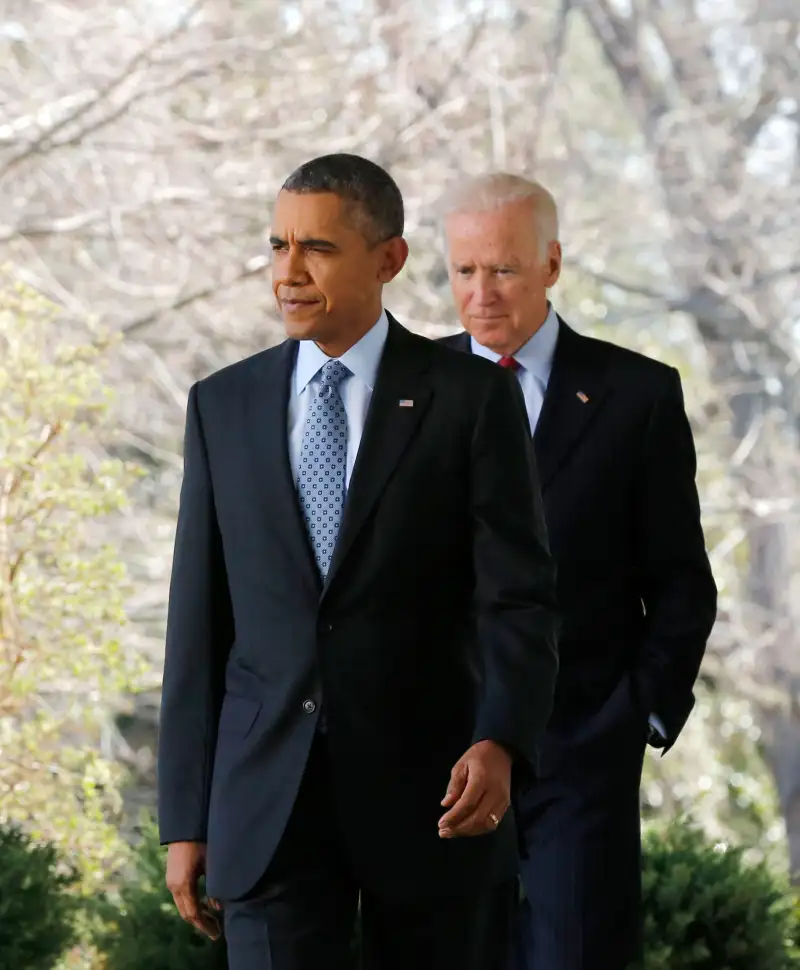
point(555, 56)
point(624, 286)
point(139, 60)
point(192, 73)
point(621, 47)
point(89, 217)
point(253, 268)
point(432, 101)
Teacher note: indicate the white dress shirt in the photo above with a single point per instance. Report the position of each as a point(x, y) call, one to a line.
point(536, 363)
point(362, 360)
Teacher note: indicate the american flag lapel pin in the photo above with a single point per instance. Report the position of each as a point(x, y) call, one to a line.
point(406, 403)
point(583, 398)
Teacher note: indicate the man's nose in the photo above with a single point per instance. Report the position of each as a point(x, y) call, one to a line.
point(484, 292)
point(293, 270)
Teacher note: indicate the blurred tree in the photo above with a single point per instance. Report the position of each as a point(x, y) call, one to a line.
point(62, 587)
point(718, 776)
point(141, 145)
point(710, 90)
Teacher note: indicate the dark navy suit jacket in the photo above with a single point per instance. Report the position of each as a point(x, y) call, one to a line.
point(433, 630)
point(635, 591)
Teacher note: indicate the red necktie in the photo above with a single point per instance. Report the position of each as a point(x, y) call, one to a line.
point(510, 363)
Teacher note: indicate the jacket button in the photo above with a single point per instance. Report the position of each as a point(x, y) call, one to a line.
point(309, 706)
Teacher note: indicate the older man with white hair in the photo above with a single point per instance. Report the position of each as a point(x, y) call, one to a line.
point(638, 600)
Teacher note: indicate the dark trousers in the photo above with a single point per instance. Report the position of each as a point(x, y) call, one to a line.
point(302, 914)
point(582, 874)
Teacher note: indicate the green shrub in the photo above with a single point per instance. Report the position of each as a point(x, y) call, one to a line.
point(142, 929)
point(796, 904)
point(37, 909)
point(707, 908)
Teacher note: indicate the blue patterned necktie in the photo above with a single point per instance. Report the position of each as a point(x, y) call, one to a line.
point(323, 464)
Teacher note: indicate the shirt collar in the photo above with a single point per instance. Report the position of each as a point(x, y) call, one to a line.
point(536, 354)
point(362, 359)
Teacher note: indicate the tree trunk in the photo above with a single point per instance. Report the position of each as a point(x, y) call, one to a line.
point(769, 619)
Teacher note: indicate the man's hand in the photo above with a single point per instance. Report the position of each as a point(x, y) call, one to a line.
point(186, 862)
point(479, 792)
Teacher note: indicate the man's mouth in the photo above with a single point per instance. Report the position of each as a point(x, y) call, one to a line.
point(292, 303)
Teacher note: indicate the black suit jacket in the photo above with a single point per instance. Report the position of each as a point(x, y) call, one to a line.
point(635, 589)
point(433, 630)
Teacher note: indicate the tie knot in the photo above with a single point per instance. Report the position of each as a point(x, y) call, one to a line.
point(333, 373)
point(510, 363)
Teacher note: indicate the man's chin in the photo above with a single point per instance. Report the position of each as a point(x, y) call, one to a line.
point(488, 332)
point(299, 326)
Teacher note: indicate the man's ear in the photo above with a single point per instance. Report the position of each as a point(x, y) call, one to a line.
point(553, 265)
point(394, 256)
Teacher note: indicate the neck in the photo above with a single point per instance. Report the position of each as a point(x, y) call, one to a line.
point(338, 346)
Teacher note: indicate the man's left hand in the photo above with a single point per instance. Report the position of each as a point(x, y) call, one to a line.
point(479, 792)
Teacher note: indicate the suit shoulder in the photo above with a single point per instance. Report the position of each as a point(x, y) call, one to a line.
point(630, 365)
point(443, 354)
point(455, 341)
point(233, 375)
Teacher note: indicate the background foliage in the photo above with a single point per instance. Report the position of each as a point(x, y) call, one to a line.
point(61, 584)
point(37, 911)
point(707, 908)
point(141, 147)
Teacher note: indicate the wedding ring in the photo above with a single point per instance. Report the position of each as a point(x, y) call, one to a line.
point(495, 819)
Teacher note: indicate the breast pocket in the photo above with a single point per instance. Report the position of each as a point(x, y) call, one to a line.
point(238, 715)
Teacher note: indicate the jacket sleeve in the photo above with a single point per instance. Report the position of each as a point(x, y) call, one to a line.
point(515, 577)
point(678, 589)
point(199, 637)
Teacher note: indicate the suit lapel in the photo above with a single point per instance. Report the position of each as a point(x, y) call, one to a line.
point(388, 431)
point(575, 393)
point(268, 427)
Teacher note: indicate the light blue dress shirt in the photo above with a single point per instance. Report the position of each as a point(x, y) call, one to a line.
point(362, 360)
point(536, 363)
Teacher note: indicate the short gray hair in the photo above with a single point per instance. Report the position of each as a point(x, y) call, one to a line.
point(496, 189)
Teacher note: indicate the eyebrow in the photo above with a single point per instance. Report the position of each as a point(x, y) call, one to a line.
point(470, 264)
point(305, 243)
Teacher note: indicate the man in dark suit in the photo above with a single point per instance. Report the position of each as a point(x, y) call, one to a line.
point(360, 621)
point(634, 587)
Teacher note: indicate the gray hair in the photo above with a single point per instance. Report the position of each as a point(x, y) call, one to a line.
point(484, 192)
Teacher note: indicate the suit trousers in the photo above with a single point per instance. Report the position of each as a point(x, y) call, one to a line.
point(302, 914)
point(582, 871)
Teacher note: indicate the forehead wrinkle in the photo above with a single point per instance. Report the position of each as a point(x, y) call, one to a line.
point(515, 231)
point(494, 256)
